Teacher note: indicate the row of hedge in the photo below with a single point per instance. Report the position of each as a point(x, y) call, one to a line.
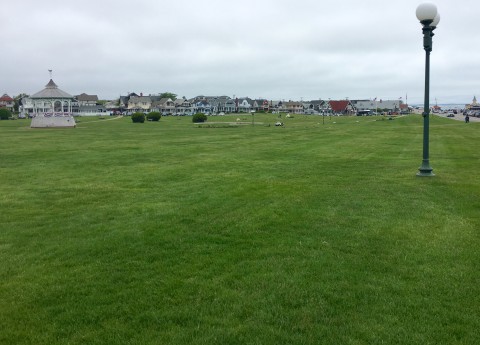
point(155, 116)
point(140, 117)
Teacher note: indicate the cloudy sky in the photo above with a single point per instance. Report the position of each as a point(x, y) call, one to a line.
point(275, 49)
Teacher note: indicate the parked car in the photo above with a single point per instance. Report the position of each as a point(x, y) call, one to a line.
point(451, 115)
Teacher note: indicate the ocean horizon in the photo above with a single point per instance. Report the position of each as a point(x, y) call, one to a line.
point(443, 105)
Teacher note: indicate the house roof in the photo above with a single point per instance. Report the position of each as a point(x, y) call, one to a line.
point(164, 100)
point(240, 100)
point(261, 101)
point(202, 103)
point(180, 101)
point(155, 98)
point(87, 98)
point(6, 98)
point(339, 106)
point(136, 99)
point(51, 90)
point(164, 103)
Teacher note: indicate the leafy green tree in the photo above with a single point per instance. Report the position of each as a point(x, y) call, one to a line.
point(16, 101)
point(5, 114)
point(170, 95)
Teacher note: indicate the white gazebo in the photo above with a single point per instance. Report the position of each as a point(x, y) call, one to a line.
point(52, 107)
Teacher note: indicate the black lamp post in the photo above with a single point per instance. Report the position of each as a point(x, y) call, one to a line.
point(428, 16)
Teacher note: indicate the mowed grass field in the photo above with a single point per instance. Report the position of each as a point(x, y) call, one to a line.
point(174, 233)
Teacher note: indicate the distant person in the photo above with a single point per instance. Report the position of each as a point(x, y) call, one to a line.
point(467, 118)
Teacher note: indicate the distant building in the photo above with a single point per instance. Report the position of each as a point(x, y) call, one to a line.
point(85, 99)
point(88, 105)
point(229, 106)
point(342, 107)
point(7, 102)
point(381, 105)
point(474, 104)
point(123, 100)
point(261, 105)
point(139, 104)
point(213, 104)
point(183, 107)
point(473, 109)
point(294, 107)
point(244, 104)
point(166, 106)
point(52, 107)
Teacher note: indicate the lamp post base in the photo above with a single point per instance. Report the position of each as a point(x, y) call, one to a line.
point(425, 170)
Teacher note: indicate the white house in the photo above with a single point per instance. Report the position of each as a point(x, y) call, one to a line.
point(373, 105)
point(139, 104)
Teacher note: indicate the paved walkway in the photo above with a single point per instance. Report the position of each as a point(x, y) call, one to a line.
point(103, 120)
point(458, 117)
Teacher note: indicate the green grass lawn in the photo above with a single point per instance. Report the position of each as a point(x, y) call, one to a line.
point(173, 233)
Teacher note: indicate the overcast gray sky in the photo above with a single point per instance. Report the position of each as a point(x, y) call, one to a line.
point(275, 49)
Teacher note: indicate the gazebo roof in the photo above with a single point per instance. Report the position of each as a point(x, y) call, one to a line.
point(51, 90)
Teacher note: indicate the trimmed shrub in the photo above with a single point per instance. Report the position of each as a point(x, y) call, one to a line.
point(138, 117)
point(154, 116)
point(199, 118)
point(5, 114)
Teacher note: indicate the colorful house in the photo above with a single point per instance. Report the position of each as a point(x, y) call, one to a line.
point(341, 107)
point(7, 102)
